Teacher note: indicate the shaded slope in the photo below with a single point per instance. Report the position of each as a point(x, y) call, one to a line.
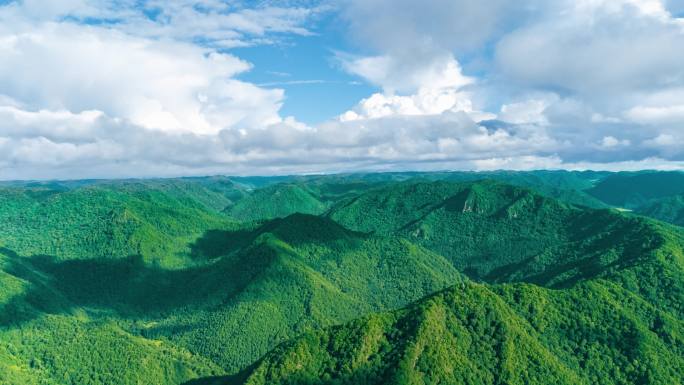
point(312, 273)
point(49, 337)
point(669, 209)
point(631, 190)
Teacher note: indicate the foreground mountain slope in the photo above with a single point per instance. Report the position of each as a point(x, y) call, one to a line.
point(624, 328)
point(75, 349)
point(271, 283)
point(595, 333)
point(47, 338)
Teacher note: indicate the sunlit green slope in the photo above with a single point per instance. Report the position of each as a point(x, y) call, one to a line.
point(104, 222)
point(625, 328)
point(595, 333)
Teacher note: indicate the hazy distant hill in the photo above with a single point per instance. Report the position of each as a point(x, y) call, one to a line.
point(631, 190)
point(668, 209)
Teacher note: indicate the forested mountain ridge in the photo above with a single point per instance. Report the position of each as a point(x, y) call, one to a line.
point(633, 189)
point(249, 288)
point(594, 333)
point(623, 328)
point(276, 201)
point(669, 209)
point(658, 195)
point(500, 233)
point(158, 282)
point(105, 222)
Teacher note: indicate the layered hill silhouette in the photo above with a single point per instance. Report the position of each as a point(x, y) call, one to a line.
point(156, 282)
point(658, 195)
point(620, 326)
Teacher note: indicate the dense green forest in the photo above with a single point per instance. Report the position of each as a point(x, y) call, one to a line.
point(415, 278)
point(668, 209)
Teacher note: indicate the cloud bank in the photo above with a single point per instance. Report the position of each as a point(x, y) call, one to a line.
point(96, 88)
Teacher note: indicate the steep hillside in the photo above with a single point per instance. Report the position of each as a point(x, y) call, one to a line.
point(500, 233)
point(600, 331)
point(271, 283)
point(596, 333)
point(309, 272)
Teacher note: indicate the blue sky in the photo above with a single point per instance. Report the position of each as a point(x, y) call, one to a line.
point(316, 86)
point(135, 88)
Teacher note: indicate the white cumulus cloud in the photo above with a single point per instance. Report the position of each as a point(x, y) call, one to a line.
point(101, 88)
